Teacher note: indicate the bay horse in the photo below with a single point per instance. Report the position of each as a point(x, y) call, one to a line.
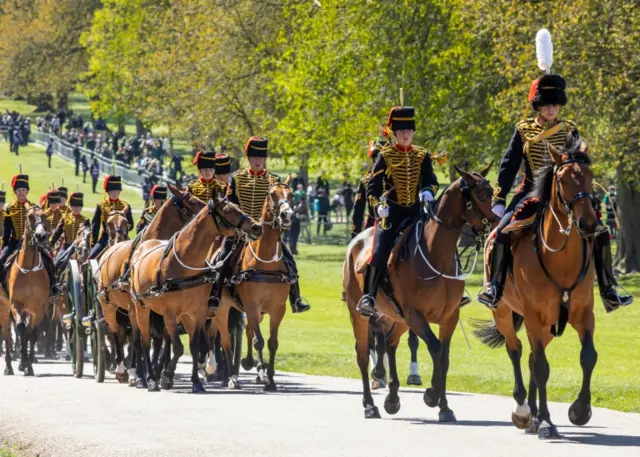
point(262, 285)
point(29, 288)
point(114, 297)
point(173, 279)
point(550, 284)
point(424, 286)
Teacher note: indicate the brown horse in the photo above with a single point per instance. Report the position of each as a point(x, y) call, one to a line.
point(173, 279)
point(29, 288)
point(550, 284)
point(262, 287)
point(424, 286)
point(113, 293)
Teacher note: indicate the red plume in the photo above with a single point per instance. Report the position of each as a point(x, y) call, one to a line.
point(43, 199)
point(391, 114)
point(153, 189)
point(532, 90)
point(105, 182)
point(195, 160)
point(246, 148)
point(13, 180)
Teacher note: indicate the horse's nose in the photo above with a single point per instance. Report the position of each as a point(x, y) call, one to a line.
point(256, 231)
point(587, 227)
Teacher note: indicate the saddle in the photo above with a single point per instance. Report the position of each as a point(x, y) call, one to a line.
point(399, 252)
point(10, 260)
point(524, 216)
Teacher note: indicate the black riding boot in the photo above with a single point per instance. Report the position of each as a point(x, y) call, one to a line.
point(603, 263)
point(48, 265)
point(367, 304)
point(225, 272)
point(298, 305)
point(492, 292)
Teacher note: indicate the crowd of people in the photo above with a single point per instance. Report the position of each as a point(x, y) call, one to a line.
point(15, 130)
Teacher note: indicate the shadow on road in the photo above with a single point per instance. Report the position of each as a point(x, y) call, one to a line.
point(464, 423)
point(599, 439)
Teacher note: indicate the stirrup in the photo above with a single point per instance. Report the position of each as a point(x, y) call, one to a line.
point(367, 306)
point(299, 305)
point(488, 296)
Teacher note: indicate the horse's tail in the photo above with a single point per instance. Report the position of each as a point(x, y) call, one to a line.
point(236, 320)
point(487, 331)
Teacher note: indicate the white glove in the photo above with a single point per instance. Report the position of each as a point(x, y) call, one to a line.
point(426, 196)
point(498, 210)
point(383, 212)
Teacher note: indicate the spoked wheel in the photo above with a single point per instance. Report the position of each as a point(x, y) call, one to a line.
point(76, 331)
point(96, 330)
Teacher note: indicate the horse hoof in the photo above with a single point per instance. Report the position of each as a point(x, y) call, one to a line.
point(8, 371)
point(233, 384)
point(414, 380)
point(20, 367)
point(211, 378)
point(521, 416)
point(431, 398)
point(375, 385)
point(446, 417)
point(122, 378)
point(247, 364)
point(392, 406)
point(579, 414)
point(533, 427)
point(548, 431)
point(133, 382)
point(141, 384)
point(371, 412)
point(29, 371)
point(197, 388)
point(378, 376)
point(153, 386)
point(259, 380)
point(166, 380)
point(270, 387)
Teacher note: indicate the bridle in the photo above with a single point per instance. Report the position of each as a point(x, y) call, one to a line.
point(113, 233)
point(178, 202)
point(33, 238)
point(274, 208)
point(220, 220)
point(568, 206)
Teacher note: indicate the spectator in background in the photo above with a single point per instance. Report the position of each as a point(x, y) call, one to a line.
point(322, 183)
point(322, 207)
point(49, 151)
point(146, 189)
point(297, 180)
point(337, 204)
point(347, 196)
point(17, 140)
point(95, 174)
point(311, 199)
point(300, 216)
point(85, 168)
point(298, 193)
point(176, 162)
point(76, 157)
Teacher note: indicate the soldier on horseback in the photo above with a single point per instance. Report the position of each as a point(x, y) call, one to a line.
point(402, 178)
point(14, 226)
point(69, 225)
point(53, 212)
point(206, 186)
point(249, 188)
point(112, 186)
point(362, 211)
point(63, 192)
point(528, 152)
point(3, 200)
point(158, 197)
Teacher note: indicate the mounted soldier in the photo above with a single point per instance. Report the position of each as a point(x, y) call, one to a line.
point(63, 192)
point(223, 169)
point(527, 153)
point(53, 211)
point(401, 180)
point(112, 186)
point(158, 197)
point(14, 226)
point(3, 201)
point(249, 189)
point(363, 215)
point(206, 186)
point(69, 226)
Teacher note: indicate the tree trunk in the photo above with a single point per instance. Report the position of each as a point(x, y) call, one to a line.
point(141, 130)
point(628, 252)
point(121, 127)
point(304, 168)
point(62, 101)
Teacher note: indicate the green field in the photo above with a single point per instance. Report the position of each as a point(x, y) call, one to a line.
point(321, 341)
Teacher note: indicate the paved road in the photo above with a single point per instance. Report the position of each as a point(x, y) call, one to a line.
point(55, 414)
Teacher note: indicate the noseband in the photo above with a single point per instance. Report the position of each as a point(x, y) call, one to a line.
point(178, 202)
point(470, 205)
point(568, 205)
point(273, 208)
point(113, 233)
point(220, 220)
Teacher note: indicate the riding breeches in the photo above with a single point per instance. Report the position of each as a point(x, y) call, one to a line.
point(384, 240)
point(100, 246)
point(501, 238)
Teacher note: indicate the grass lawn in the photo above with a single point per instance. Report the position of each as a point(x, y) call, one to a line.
point(6, 452)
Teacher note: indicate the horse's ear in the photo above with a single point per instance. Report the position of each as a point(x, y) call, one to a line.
point(288, 181)
point(175, 190)
point(485, 171)
point(463, 174)
point(555, 154)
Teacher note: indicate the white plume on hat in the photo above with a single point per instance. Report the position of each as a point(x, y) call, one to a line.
point(544, 50)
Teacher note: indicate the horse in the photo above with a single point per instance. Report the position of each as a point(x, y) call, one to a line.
point(28, 290)
point(261, 286)
point(424, 286)
point(160, 282)
point(550, 284)
point(113, 292)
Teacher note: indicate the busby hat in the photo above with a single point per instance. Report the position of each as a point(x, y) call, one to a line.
point(402, 118)
point(112, 182)
point(159, 192)
point(257, 146)
point(53, 197)
point(63, 192)
point(205, 160)
point(550, 88)
point(76, 199)
point(223, 164)
point(20, 182)
point(3, 196)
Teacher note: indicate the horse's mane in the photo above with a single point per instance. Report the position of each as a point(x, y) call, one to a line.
point(543, 179)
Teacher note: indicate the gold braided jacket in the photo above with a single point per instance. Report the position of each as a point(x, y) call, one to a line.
point(251, 190)
point(537, 154)
point(107, 207)
point(206, 190)
point(53, 218)
point(404, 168)
point(2, 214)
point(18, 215)
point(72, 225)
